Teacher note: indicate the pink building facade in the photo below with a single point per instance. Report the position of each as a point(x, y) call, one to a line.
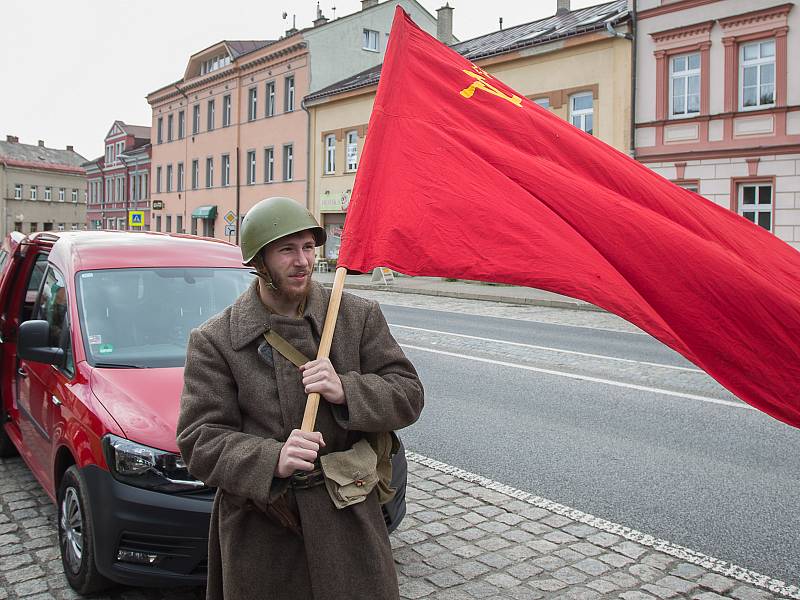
point(228, 134)
point(119, 181)
point(718, 104)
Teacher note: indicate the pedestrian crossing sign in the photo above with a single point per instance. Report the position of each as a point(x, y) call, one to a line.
point(136, 218)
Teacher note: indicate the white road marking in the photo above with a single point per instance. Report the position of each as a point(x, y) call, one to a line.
point(533, 347)
point(633, 386)
point(722, 567)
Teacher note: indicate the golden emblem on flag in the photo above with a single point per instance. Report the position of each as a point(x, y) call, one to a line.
point(480, 83)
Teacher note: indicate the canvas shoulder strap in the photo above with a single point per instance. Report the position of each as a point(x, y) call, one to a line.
point(288, 351)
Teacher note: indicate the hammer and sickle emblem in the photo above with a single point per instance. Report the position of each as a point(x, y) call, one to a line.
point(480, 83)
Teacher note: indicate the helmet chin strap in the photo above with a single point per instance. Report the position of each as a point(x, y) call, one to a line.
point(260, 269)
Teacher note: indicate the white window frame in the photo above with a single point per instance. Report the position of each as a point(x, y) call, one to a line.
point(180, 175)
point(543, 102)
point(269, 164)
point(195, 173)
point(288, 162)
point(581, 113)
point(758, 63)
point(211, 114)
point(195, 119)
point(226, 110)
point(169, 178)
point(209, 172)
point(251, 167)
point(270, 93)
point(371, 40)
point(48, 193)
point(252, 103)
point(170, 122)
point(159, 131)
point(158, 180)
point(225, 170)
point(17, 191)
point(181, 124)
point(330, 154)
point(686, 74)
point(288, 82)
point(62, 194)
point(75, 195)
point(756, 208)
point(33, 192)
point(351, 151)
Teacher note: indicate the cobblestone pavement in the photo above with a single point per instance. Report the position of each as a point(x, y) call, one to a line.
point(464, 537)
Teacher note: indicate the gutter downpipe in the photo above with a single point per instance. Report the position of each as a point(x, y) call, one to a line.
point(634, 35)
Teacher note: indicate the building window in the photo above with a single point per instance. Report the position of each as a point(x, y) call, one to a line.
point(270, 98)
point(33, 192)
point(288, 162)
point(352, 150)
point(61, 194)
point(75, 195)
point(269, 165)
point(179, 224)
point(691, 186)
point(543, 102)
point(195, 119)
point(252, 103)
point(251, 167)
point(109, 150)
point(169, 127)
point(159, 131)
point(181, 124)
point(195, 173)
point(34, 227)
point(168, 224)
point(757, 74)
point(581, 111)
point(684, 85)
point(169, 178)
point(48, 193)
point(755, 203)
point(210, 116)
point(17, 191)
point(212, 64)
point(158, 222)
point(61, 226)
point(289, 94)
point(371, 39)
point(226, 110)
point(180, 177)
point(210, 172)
point(330, 154)
point(226, 170)
point(73, 227)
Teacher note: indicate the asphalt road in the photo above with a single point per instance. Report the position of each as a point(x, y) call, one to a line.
point(662, 449)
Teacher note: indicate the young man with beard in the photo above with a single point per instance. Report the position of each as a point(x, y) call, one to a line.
point(275, 531)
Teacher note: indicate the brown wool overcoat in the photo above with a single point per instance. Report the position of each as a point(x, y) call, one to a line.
point(238, 407)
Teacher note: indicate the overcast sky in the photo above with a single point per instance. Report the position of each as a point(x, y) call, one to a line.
point(69, 68)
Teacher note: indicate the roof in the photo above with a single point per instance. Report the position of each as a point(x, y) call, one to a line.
point(241, 47)
point(137, 131)
point(83, 250)
point(569, 24)
point(577, 22)
point(38, 157)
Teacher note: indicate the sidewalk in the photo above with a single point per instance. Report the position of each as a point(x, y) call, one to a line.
point(464, 537)
point(468, 290)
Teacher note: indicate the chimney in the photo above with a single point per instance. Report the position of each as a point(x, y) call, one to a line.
point(320, 20)
point(70, 149)
point(444, 24)
point(41, 143)
point(563, 7)
point(368, 3)
point(12, 138)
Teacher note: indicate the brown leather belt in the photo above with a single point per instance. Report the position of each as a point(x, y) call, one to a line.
point(302, 480)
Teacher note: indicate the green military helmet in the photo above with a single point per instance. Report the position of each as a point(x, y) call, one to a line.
point(274, 218)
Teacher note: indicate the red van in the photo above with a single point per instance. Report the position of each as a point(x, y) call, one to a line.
point(93, 333)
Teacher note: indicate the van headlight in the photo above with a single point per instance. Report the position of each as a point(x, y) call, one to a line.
point(145, 467)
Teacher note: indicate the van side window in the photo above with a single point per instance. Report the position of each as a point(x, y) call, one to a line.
point(52, 307)
point(32, 289)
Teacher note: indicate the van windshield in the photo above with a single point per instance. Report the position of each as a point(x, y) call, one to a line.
point(142, 317)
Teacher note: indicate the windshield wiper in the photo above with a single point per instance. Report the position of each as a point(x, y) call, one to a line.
point(116, 366)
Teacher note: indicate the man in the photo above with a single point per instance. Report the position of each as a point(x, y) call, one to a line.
point(275, 531)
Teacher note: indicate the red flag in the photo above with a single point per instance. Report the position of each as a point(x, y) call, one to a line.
point(463, 177)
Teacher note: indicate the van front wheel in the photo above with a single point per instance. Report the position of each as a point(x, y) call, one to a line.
point(75, 535)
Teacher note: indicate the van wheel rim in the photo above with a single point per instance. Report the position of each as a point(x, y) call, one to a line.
point(72, 529)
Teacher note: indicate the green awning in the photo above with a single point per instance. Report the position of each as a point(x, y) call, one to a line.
point(205, 212)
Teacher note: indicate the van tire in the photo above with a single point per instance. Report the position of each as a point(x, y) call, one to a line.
point(7, 447)
point(76, 535)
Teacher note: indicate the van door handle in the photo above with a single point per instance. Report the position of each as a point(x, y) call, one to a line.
point(55, 400)
point(22, 372)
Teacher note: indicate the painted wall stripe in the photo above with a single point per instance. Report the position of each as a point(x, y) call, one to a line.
point(633, 386)
point(549, 349)
point(716, 565)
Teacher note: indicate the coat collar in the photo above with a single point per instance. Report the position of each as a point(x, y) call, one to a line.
point(251, 319)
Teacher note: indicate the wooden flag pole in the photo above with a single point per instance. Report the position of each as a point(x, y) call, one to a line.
point(312, 402)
